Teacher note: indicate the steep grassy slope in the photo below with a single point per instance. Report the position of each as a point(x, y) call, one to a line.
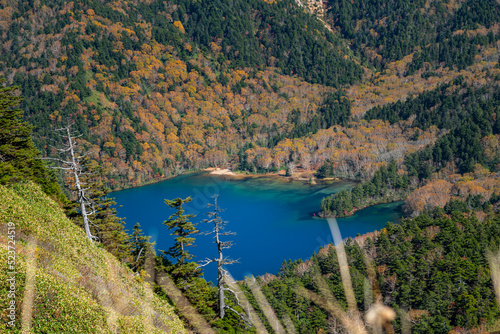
point(78, 287)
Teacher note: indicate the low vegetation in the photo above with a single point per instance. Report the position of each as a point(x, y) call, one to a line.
point(78, 286)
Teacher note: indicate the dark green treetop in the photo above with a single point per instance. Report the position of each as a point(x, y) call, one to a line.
point(140, 246)
point(183, 230)
point(18, 155)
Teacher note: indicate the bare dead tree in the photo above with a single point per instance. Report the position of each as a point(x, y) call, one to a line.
point(73, 166)
point(224, 279)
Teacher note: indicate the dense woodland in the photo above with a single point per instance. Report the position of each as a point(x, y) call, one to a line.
point(429, 268)
point(401, 96)
point(460, 163)
point(154, 100)
point(441, 32)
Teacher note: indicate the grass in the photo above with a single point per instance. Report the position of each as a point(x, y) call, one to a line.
point(79, 287)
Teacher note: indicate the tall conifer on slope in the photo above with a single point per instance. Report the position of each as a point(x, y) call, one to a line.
point(183, 229)
point(18, 155)
point(139, 247)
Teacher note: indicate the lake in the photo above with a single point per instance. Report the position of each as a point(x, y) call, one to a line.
point(272, 218)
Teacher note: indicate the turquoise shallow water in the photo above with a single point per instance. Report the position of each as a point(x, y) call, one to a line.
point(272, 219)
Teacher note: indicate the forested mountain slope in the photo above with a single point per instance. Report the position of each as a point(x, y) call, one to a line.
point(442, 33)
point(432, 270)
point(154, 90)
point(159, 87)
point(462, 164)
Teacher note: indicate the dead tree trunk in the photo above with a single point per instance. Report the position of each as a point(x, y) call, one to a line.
point(220, 260)
point(222, 274)
point(74, 166)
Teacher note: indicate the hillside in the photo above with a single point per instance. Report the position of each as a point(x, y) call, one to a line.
point(76, 285)
point(154, 93)
point(434, 271)
point(438, 34)
point(400, 95)
point(462, 164)
point(159, 88)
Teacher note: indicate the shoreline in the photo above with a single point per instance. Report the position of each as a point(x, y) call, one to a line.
point(236, 175)
point(352, 213)
point(220, 171)
point(278, 175)
point(325, 251)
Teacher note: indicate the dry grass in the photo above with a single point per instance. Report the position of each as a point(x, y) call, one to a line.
point(73, 285)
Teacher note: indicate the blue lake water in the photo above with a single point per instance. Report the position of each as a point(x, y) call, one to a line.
point(272, 219)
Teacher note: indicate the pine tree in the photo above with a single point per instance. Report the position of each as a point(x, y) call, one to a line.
point(16, 146)
point(139, 246)
point(326, 170)
point(18, 155)
point(183, 230)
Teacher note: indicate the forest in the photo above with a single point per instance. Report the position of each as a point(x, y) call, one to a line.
point(439, 33)
point(399, 97)
point(467, 147)
point(153, 102)
point(431, 270)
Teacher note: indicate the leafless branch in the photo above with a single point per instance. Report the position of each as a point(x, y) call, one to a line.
point(62, 168)
point(139, 255)
point(74, 165)
point(205, 262)
point(58, 160)
point(240, 315)
point(226, 244)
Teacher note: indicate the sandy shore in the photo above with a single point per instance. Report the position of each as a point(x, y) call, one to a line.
point(218, 171)
point(276, 175)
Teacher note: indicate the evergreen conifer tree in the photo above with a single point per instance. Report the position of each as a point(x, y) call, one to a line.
point(18, 155)
point(139, 246)
point(183, 230)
